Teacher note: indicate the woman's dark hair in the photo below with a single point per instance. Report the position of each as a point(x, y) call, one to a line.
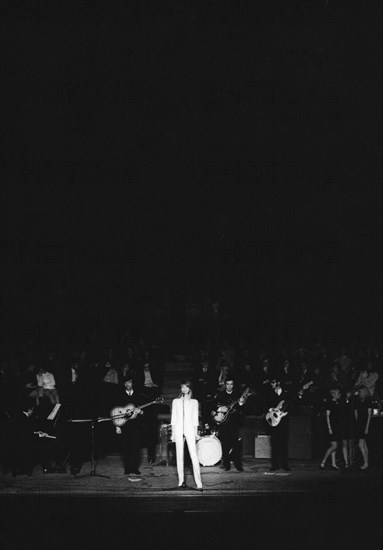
point(189, 385)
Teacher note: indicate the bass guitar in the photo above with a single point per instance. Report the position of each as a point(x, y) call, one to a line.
point(121, 415)
point(275, 414)
point(224, 411)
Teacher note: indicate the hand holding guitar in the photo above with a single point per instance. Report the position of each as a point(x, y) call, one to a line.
point(121, 415)
point(275, 414)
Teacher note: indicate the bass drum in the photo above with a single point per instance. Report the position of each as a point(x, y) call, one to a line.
point(209, 450)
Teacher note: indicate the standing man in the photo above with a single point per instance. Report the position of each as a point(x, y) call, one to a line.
point(131, 431)
point(228, 430)
point(278, 434)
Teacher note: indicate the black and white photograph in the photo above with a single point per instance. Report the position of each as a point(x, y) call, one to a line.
point(191, 274)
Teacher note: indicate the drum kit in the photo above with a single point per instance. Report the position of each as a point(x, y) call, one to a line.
point(209, 448)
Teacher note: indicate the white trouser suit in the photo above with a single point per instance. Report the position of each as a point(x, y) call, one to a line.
point(184, 426)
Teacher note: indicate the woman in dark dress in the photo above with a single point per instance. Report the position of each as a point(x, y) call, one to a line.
point(363, 412)
point(336, 426)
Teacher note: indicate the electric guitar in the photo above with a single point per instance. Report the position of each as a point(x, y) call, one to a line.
point(275, 414)
point(223, 411)
point(121, 415)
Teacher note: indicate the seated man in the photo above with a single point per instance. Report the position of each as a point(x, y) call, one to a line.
point(47, 385)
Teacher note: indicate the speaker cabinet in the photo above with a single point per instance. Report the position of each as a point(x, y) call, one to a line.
point(262, 446)
point(300, 437)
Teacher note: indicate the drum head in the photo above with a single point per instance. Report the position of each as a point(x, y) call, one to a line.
point(209, 450)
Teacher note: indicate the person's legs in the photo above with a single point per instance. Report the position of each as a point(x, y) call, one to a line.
point(180, 442)
point(345, 452)
point(330, 451)
point(195, 462)
point(237, 454)
point(364, 450)
point(283, 444)
point(225, 441)
point(275, 444)
point(333, 456)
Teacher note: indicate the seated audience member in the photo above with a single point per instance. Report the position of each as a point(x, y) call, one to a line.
point(222, 376)
point(112, 367)
point(131, 359)
point(125, 371)
point(345, 371)
point(73, 382)
point(47, 385)
point(246, 371)
point(205, 387)
point(333, 378)
point(368, 377)
point(287, 376)
point(263, 383)
point(304, 374)
point(149, 376)
point(29, 383)
point(111, 376)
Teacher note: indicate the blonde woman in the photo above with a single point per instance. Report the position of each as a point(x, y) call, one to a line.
point(184, 423)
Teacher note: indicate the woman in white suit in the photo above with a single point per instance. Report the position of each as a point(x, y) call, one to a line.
point(185, 426)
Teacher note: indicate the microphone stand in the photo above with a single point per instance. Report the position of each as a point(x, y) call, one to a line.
point(92, 472)
point(163, 461)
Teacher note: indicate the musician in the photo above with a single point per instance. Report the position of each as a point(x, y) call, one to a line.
point(228, 431)
point(50, 446)
point(278, 434)
point(131, 431)
point(185, 421)
point(30, 442)
point(22, 442)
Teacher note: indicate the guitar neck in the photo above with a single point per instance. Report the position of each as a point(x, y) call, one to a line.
point(147, 404)
point(294, 396)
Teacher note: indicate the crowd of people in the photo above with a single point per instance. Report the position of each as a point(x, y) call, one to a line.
point(343, 384)
point(322, 368)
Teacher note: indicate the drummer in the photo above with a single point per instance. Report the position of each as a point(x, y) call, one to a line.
point(228, 430)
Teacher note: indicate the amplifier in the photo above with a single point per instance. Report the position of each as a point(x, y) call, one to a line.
point(262, 446)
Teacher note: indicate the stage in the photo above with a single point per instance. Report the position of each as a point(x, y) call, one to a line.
point(304, 508)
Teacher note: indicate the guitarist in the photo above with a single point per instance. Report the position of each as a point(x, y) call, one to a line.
point(228, 431)
point(131, 431)
point(278, 434)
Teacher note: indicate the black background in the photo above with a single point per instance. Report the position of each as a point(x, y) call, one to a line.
point(160, 153)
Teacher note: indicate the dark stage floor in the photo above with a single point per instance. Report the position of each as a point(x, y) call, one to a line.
point(306, 508)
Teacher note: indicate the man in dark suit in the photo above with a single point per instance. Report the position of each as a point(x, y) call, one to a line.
point(228, 431)
point(22, 441)
point(132, 430)
point(278, 434)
